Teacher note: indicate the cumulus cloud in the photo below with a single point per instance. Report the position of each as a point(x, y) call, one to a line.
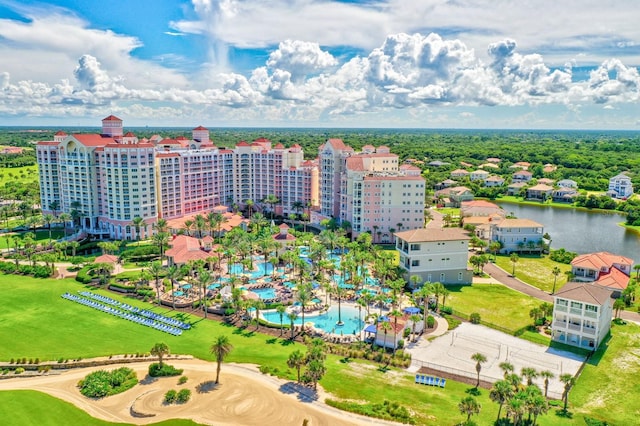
point(300, 58)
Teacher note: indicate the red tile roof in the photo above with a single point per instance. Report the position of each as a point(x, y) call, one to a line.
point(614, 279)
point(48, 143)
point(93, 139)
point(185, 248)
point(599, 260)
point(60, 133)
point(242, 143)
point(336, 143)
point(111, 118)
point(106, 258)
point(200, 128)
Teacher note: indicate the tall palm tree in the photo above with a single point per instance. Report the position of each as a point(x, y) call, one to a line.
point(514, 259)
point(173, 274)
point(479, 359)
point(258, 305)
point(303, 296)
point(220, 348)
point(568, 381)
point(138, 223)
point(469, 406)
point(204, 279)
point(546, 375)
point(188, 226)
point(296, 360)
point(424, 293)
point(281, 310)
point(64, 218)
point(292, 319)
point(555, 271)
point(47, 219)
point(249, 203)
point(272, 200)
point(414, 320)
point(506, 367)
point(155, 268)
point(395, 314)
point(160, 350)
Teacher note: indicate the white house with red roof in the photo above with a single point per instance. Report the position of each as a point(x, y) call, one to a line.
point(604, 269)
point(581, 315)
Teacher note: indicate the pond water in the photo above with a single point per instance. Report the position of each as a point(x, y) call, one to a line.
point(581, 231)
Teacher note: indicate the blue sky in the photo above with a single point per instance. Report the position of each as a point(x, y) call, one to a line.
point(328, 63)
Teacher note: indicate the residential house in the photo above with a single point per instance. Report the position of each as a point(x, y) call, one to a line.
point(458, 174)
point(493, 160)
point(581, 315)
point(520, 165)
point(488, 166)
point(620, 186)
point(453, 197)
point(514, 188)
point(517, 235)
point(493, 181)
point(568, 183)
point(478, 175)
point(564, 195)
point(438, 163)
point(522, 176)
point(434, 254)
point(480, 208)
point(447, 183)
point(549, 168)
point(604, 269)
point(465, 164)
point(546, 181)
point(539, 192)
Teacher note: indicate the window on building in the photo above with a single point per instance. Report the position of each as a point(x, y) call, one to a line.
point(415, 262)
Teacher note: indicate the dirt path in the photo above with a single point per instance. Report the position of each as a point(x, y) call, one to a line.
point(244, 396)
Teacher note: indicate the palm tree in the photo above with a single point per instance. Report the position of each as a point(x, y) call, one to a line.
point(424, 293)
point(386, 327)
point(258, 305)
point(296, 360)
point(204, 279)
point(54, 206)
point(155, 268)
point(281, 310)
point(64, 218)
point(173, 274)
point(515, 409)
point(618, 306)
point(537, 405)
point(506, 367)
point(479, 359)
point(501, 392)
point(546, 375)
point(555, 271)
point(315, 370)
point(637, 269)
point(249, 203)
point(272, 200)
point(568, 381)
point(47, 219)
point(138, 223)
point(220, 348)
point(529, 373)
point(161, 239)
point(395, 314)
point(188, 226)
point(292, 319)
point(469, 406)
point(414, 320)
point(514, 259)
point(160, 350)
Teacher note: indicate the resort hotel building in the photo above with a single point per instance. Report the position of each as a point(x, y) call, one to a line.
point(106, 180)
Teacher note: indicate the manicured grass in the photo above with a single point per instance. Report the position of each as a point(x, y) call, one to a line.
point(20, 174)
point(25, 408)
point(495, 303)
point(610, 382)
point(42, 236)
point(34, 311)
point(535, 270)
point(39, 323)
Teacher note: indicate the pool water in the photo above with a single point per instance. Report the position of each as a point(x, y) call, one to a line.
point(326, 321)
point(265, 293)
point(178, 293)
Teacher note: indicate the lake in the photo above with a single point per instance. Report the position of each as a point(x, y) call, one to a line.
point(581, 231)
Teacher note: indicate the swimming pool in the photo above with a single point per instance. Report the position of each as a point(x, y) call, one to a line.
point(326, 321)
point(267, 293)
point(178, 293)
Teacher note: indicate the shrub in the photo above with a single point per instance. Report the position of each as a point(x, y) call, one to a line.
point(83, 275)
point(182, 380)
point(8, 267)
point(446, 310)
point(171, 396)
point(183, 396)
point(166, 370)
point(400, 344)
point(474, 318)
point(406, 332)
point(103, 383)
point(431, 321)
point(19, 370)
point(41, 271)
point(385, 410)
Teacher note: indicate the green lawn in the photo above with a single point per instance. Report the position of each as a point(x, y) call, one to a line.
point(33, 311)
point(42, 236)
point(609, 385)
point(22, 174)
point(24, 408)
point(495, 303)
point(535, 270)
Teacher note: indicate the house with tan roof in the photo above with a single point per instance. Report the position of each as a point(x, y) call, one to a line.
point(434, 255)
point(540, 192)
point(604, 269)
point(515, 188)
point(564, 195)
point(452, 197)
point(520, 165)
point(459, 173)
point(517, 235)
point(493, 181)
point(478, 175)
point(581, 315)
point(522, 176)
point(480, 208)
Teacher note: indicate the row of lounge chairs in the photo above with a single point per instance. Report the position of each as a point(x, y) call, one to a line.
point(423, 379)
point(143, 312)
point(123, 314)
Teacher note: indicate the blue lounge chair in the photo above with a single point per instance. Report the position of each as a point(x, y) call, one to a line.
point(442, 383)
point(418, 377)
